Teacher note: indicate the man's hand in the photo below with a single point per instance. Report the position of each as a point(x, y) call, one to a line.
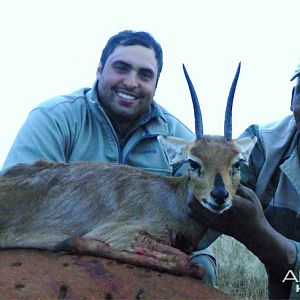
point(245, 221)
point(240, 221)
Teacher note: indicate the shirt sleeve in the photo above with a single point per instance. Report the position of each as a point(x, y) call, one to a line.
point(42, 137)
point(251, 169)
point(206, 259)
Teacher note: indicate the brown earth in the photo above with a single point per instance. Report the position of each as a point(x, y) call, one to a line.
point(34, 274)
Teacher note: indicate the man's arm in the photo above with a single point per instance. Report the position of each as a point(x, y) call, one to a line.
point(245, 221)
point(40, 137)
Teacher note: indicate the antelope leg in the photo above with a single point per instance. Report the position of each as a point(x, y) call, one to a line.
point(79, 245)
point(152, 248)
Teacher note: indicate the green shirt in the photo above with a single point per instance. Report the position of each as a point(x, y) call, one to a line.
point(75, 127)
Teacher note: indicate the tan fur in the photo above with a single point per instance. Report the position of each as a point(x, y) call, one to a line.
point(215, 155)
point(44, 204)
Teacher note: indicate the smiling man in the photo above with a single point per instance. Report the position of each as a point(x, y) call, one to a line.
point(116, 120)
point(126, 84)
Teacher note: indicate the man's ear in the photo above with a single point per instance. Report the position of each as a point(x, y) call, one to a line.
point(175, 149)
point(246, 145)
point(99, 70)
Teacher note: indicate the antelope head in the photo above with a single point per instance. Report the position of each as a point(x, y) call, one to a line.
point(214, 160)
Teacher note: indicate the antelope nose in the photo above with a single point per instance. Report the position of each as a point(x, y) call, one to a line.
point(220, 195)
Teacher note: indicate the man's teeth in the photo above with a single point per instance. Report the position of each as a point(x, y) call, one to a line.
point(125, 96)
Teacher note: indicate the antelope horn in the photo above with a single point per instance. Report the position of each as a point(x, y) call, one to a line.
point(197, 111)
point(228, 113)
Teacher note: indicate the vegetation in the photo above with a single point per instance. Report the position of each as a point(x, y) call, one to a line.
point(240, 273)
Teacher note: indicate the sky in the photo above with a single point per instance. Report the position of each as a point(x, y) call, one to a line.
point(52, 47)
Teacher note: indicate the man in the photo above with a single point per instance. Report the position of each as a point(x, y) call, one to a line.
point(116, 120)
point(267, 222)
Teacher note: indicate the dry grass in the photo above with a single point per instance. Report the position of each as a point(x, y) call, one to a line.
point(240, 273)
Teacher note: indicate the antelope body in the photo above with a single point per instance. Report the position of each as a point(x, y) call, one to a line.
point(116, 210)
point(44, 204)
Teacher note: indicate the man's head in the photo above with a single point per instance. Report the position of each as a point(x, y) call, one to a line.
point(128, 73)
point(295, 104)
point(131, 38)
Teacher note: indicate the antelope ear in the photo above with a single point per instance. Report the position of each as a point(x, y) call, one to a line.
point(246, 145)
point(175, 149)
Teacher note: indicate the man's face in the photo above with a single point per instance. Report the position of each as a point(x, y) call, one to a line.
point(296, 104)
point(127, 82)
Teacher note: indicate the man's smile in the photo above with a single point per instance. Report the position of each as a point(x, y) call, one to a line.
point(126, 96)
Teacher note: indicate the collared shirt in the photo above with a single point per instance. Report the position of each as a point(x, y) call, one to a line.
point(274, 175)
point(75, 127)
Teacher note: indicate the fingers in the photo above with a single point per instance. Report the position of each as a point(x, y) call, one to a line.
point(196, 209)
point(246, 193)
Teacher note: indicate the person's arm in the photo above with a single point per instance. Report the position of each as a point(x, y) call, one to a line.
point(245, 221)
point(206, 259)
point(42, 136)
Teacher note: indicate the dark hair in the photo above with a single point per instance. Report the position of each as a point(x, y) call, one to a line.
point(130, 38)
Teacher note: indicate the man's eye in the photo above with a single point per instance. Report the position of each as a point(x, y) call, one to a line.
point(120, 68)
point(146, 75)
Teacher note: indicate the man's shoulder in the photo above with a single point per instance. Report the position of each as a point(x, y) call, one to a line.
point(273, 138)
point(176, 127)
point(62, 102)
point(280, 128)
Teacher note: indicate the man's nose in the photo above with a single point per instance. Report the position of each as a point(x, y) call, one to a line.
point(131, 80)
point(297, 87)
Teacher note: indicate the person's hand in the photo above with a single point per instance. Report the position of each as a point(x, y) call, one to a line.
point(240, 221)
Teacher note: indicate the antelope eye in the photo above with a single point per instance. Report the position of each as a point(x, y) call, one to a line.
point(237, 165)
point(194, 165)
